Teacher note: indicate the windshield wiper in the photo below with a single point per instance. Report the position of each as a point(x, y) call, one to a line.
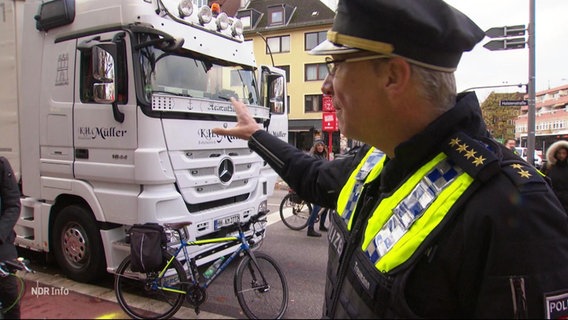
point(173, 93)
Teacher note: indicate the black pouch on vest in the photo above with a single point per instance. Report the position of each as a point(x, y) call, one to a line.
point(146, 246)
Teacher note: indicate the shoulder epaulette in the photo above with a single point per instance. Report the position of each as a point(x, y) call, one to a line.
point(472, 156)
point(523, 175)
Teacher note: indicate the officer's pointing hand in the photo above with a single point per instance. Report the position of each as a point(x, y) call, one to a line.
point(246, 125)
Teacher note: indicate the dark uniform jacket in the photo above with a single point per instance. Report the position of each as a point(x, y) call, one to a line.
point(501, 251)
point(9, 210)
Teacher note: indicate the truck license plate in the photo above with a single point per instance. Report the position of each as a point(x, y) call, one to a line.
point(226, 221)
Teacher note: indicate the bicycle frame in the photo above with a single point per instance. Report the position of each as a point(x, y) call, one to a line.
point(259, 283)
point(190, 261)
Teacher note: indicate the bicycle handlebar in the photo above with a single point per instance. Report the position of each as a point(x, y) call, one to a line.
point(256, 217)
point(244, 225)
point(10, 266)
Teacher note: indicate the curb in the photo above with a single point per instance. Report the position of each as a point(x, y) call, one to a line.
point(107, 294)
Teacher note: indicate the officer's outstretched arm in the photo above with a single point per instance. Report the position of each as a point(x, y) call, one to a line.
point(246, 125)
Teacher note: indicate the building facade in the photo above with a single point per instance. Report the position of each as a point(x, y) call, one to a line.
point(551, 118)
point(283, 33)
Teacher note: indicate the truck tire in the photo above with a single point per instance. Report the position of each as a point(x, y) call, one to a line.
point(77, 245)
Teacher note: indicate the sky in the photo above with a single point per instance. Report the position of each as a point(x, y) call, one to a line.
point(482, 67)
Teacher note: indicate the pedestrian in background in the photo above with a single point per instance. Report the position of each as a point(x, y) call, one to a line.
point(435, 218)
point(511, 144)
point(557, 170)
point(9, 214)
point(318, 151)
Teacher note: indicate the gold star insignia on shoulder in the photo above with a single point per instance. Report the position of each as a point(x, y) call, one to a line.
point(517, 165)
point(524, 173)
point(470, 154)
point(461, 147)
point(454, 142)
point(478, 161)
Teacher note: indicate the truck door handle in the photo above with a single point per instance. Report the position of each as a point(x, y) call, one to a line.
point(82, 153)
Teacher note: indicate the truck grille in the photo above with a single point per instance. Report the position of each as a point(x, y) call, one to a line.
point(212, 178)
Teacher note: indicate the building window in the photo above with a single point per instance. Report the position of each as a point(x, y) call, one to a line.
point(287, 70)
point(317, 71)
point(312, 103)
point(246, 22)
point(276, 16)
point(278, 44)
point(249, 17)
point(312, 39)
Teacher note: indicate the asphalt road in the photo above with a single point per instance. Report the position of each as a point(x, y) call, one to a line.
point(302, 258)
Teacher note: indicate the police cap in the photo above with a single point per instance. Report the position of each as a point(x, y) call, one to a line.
point(430, 33)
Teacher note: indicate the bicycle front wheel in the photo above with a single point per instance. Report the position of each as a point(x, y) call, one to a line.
point(295, 212)
point(133, 289)
point(261, 299)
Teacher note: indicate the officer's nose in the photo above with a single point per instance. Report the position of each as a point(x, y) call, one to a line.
point(327, 85)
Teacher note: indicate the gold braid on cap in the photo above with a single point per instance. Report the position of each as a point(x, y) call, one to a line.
point(359, 43)
point(379, 47)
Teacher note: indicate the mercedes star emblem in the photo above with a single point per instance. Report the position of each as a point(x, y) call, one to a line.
point(225, 170)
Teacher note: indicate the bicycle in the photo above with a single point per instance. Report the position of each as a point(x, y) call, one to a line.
point(259, 284)
point(9, 268)
point(295, 212)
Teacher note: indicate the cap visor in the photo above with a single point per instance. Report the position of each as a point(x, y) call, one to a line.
point(328, 48)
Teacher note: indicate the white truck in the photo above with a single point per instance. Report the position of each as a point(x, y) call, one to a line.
point(106, 111)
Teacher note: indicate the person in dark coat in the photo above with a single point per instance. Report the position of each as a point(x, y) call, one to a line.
point(318, 151)
point(433, 217)
point(557, 170)
point(9, 214)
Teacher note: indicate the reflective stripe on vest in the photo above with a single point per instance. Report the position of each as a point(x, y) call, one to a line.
point(402, 221)
point(366, 171)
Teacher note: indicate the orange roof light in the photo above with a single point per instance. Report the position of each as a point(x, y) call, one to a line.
point(215, 8)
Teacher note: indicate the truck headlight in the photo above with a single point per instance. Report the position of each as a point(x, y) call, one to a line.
point(204, 15)
point(222, 21)
point(237, 28)
point(185, 8)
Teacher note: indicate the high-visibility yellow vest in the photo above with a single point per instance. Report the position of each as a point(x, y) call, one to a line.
point(402, 221)
point(367, 170)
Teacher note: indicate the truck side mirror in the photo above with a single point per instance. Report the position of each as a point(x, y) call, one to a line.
point(104, 68)
point(276, 93)
point(103, 71)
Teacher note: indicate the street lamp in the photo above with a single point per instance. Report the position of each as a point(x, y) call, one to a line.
point(531, 121)
point(520, 85)
point(507, 42)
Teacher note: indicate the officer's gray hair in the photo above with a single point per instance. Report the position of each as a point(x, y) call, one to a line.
point(437, 87)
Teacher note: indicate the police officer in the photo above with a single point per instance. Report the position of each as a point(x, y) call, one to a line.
point(434, 217)
point(9, 213)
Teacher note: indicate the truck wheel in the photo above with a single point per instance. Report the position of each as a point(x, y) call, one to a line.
point(77, 244)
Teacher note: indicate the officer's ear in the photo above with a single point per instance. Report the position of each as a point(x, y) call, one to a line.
point(398, 72)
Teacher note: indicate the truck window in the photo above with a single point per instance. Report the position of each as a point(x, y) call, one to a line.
point(197, 77)
point(87, 79)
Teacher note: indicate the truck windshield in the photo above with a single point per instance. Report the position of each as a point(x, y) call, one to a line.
point(196, 77)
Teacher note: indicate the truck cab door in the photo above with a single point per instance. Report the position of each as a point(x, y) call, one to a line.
point(274, 96)
point(104, 114)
